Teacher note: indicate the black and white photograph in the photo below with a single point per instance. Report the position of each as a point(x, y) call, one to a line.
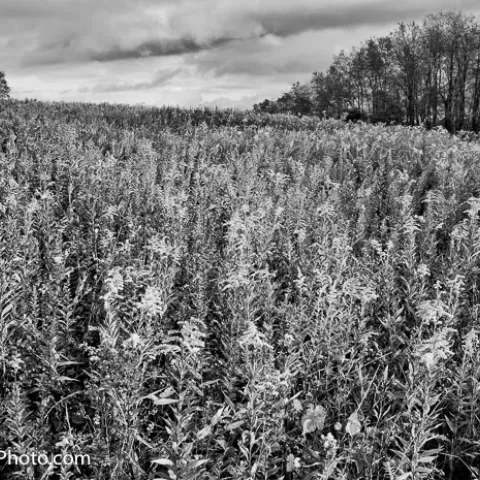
point(239, 240)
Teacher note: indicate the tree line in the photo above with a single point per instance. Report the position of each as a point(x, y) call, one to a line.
point(417, 75)
point(4, 88)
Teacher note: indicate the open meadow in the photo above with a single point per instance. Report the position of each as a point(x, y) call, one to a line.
point(209, 294)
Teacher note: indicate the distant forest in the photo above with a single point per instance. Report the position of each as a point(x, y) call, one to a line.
point(417, 75)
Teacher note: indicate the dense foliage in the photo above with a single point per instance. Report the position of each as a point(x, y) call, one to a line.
point(4, 88)
point(227, 297)
point(418, 74)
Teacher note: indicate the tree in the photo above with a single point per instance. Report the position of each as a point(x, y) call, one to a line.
point(420, 74)
point(4, 88)
point(297, 101)
point(321, 99)
point(356, 115)
point(475, 106)
point(433, 47)
point(302, 102)
point(268, 106)
point(391, 111)
point(407, 47)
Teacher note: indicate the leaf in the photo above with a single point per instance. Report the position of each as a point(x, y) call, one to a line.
point(198, 463)
point(169, 391)
point(66, 379)
point(235, 425)
point(313, 419)
point(165, 401)
point(427, 459)
point(142, 440)
point(6, 310)
point(204, 432)
point(450, 424)
point(161, 400)
point(216, 418)
point(163, 461)
point(66, 363)
point(229, 402)
point(353, 426)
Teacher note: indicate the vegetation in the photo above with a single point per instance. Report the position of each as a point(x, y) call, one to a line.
point(426, 74)
point(4, 88)
point(191, 295)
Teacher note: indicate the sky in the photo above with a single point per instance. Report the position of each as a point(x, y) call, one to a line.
point(225, 53)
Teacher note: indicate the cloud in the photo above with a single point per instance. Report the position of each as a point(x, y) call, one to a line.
point(159, 80)
point(67, 31)
point(158, 48)
point(255, 66)
point(223, 52)
point(244, 102)
point(308, 16)
point(273, 56)
point(67, 51)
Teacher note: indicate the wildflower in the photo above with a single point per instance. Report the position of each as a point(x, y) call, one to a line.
point(16, 363)
point(134, 340)
point(293, 463)
point(423, 270)
point(469, 341)
point(114, 282)
point(152, 302)
point(436, 348)
point(329, 442)
point(288, 339)
point(252, 337)
point(66, 441)
point(192, 337)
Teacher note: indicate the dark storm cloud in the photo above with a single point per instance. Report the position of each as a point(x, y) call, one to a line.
point(160, 48)
point(66, 51)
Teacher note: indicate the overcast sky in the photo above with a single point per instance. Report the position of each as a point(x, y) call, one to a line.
point(186, 52)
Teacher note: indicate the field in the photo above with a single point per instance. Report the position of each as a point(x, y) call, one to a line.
point(217, 295)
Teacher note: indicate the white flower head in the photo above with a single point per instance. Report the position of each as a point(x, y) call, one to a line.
point(152, 302)
point(423, 270)
point(115, 281)
point(135, 340)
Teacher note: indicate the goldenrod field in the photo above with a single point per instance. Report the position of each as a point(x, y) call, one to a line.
point(224, 295)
